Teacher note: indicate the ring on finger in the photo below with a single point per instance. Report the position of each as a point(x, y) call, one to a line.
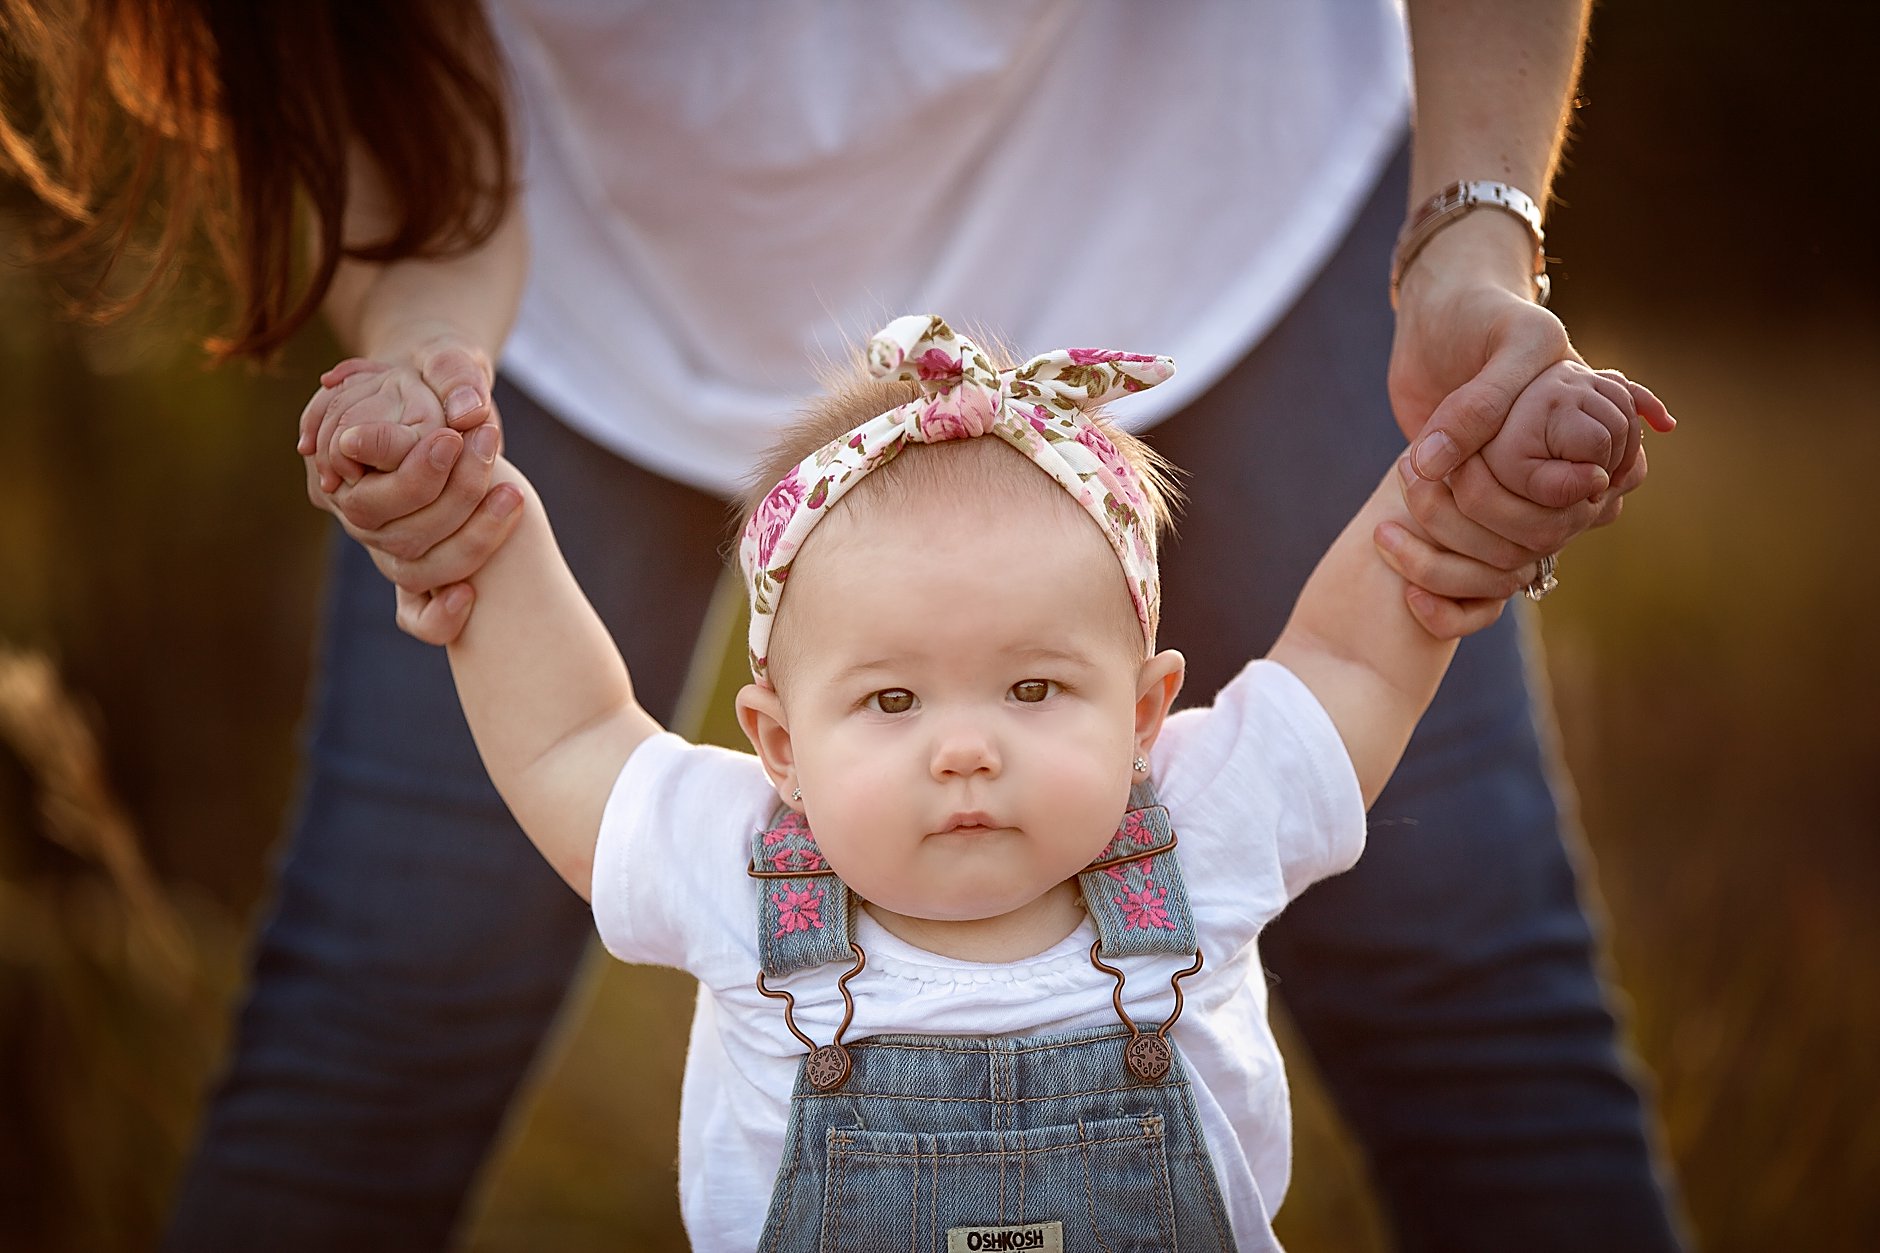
point(1544, 580)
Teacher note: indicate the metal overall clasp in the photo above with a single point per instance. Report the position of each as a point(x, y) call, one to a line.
point(829, 1064)
point(1147, 1056)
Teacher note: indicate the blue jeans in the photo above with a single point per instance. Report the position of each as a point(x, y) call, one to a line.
point(1448, 987)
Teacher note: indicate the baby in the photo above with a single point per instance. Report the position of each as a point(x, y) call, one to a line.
point(976, 925)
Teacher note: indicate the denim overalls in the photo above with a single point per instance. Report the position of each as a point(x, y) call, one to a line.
point(1081, 1140)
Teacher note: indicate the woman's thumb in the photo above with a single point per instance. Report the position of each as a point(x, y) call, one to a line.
point(1466, 419)
point(460, 379)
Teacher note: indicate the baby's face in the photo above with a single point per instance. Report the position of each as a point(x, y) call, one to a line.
point(960, 694)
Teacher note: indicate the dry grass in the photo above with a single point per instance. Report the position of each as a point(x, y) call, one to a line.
point(111, 991)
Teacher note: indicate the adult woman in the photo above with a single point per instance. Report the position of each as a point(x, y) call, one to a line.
point(706, 197)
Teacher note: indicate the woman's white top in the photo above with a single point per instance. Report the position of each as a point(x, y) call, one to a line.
point(1259, 789)
point(722, 195)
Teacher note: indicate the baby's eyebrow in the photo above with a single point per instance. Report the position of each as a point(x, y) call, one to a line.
point(871, 666)
point(1049, 653)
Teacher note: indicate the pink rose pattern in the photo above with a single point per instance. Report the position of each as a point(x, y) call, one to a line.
point(964, 397)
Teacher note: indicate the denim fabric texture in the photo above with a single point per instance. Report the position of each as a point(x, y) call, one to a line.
point(932, 1133)
point(417, 948)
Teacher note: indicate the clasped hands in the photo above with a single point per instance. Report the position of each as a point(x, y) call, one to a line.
point(1519, 447)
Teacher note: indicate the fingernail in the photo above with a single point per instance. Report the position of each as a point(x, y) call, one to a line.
point(1435, 455)
point(456, 598)
point(349, 441)
point(442, 454)
point(483, 442)
point(503, 501)
point(1406, 471)
point(460, 402)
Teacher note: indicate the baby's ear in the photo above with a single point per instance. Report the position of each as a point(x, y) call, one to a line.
point(760, 713)
point(1157, 686)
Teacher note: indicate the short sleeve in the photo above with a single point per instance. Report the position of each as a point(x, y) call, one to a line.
point(1260, 780)
point(669, 887)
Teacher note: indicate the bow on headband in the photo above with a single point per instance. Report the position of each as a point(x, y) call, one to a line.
point(1037, 408)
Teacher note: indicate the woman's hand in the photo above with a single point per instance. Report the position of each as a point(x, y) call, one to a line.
point(1469, 341)
point(388, 459)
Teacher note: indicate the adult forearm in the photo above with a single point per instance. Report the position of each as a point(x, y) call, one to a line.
point(1494, 88)
point(387, 310)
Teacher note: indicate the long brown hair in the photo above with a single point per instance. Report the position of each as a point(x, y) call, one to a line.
point(153, 126)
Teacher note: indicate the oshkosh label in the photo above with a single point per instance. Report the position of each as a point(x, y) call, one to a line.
point(1047, 1237)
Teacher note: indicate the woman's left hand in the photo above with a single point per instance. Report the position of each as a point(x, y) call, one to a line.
point(1465, 348)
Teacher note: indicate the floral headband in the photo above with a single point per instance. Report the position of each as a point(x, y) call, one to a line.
point(1037, 408)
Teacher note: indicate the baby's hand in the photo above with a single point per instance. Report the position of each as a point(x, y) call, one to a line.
point(368, 414)
point(1571, 434)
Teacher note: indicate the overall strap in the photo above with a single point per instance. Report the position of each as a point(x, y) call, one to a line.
point(1134, 891)
point(805, 914)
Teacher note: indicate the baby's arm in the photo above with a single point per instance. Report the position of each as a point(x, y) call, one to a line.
point(544, 689)
point(1353, 640)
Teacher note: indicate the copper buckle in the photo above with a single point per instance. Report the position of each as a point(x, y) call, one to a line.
point(829, 1064)
point(1147, 1056)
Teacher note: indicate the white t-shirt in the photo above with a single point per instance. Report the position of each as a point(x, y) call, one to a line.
point(1258, 787)
point(722, 195)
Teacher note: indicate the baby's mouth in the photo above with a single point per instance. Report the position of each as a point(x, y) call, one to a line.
point(969, 822)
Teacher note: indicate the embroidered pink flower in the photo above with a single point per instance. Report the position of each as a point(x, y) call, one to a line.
point(772, 516)
point(1145, 909)
point(798, 911)
point(796, 860)
point(1138, 828)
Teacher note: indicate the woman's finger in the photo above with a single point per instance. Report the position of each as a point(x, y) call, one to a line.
point(1444, 573)
point(1434, 507)
point(1536, 528)
point(460, 379)
point(462, 553)
point(411, 535)
point(420, 479)
point(435, 617)
point(1450, 619)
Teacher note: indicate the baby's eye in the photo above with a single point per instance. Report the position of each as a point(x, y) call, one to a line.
point(1031, 691)
point(890, 700)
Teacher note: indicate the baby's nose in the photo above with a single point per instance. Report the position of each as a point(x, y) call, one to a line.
point(965, 749)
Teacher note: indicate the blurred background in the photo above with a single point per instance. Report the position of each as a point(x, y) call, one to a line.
point(1714, 665)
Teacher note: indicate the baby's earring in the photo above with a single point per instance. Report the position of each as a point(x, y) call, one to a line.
point(796, 794)
point(1139, 765)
